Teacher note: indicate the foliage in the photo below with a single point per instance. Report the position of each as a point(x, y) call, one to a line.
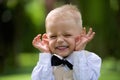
point(36, 11)
point(22, 20)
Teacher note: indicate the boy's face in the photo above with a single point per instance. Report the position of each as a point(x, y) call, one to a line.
point(62, 37)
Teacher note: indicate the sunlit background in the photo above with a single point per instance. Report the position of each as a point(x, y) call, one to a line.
point(22, 20)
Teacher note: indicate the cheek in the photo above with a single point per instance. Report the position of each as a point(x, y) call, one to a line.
point(51, 44)
point(72, 43)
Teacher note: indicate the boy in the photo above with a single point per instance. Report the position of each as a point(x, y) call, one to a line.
point(63, 56)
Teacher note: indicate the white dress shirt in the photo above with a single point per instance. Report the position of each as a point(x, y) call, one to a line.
point(86, 66)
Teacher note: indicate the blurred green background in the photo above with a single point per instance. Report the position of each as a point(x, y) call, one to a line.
point(22, 20)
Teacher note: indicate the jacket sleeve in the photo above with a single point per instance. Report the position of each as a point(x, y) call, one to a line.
point(86, 65)
point(43, 69)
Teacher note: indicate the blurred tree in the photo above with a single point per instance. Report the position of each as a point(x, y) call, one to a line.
point(17, 31)
point(12, 22)
point(99, 15)
point(7, 30)
point(21, 20)
point(50, 4)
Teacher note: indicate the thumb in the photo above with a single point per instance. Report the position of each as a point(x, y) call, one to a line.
point(45, 38)
point(77, 42)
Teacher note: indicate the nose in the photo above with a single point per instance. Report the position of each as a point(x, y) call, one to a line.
point(60, 39)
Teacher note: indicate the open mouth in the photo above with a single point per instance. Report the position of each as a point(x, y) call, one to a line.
point(62, 47)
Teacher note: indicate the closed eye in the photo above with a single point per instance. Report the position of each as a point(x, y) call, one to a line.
point(67, 35)
point(53, 37)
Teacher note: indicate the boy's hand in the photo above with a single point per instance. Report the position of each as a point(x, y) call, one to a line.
point(84, 39)
point(41, 44)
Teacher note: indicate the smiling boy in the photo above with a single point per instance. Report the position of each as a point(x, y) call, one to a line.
point(63, 56)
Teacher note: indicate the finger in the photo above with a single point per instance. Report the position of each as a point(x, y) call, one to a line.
point(36, 39)
point(89, 32)
point(83, 31)
point(91, 36)
point(45, 38)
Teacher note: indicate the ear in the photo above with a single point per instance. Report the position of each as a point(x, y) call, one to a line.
point(45, 38)
point(77, 38)
point(77, 42)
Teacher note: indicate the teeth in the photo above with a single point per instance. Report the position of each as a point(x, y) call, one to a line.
point(61, 47)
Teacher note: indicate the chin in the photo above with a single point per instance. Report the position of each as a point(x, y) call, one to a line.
point(64, 55)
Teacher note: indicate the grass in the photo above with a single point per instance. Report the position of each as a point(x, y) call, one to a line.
point(110, 70)
point(28, 61)
point(16, 77)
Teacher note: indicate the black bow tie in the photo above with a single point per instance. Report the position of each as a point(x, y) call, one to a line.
point(55, 61)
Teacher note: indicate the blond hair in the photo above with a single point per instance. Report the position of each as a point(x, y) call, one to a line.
point(65, 12)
